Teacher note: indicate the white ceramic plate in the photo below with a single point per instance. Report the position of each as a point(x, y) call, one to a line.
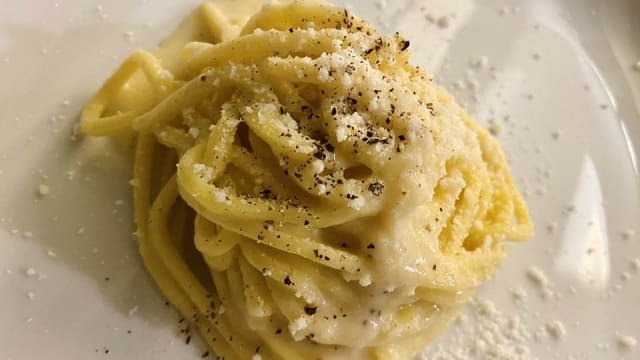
point(558, 81)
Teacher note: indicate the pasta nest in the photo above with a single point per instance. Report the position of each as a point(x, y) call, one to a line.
point(329, 200)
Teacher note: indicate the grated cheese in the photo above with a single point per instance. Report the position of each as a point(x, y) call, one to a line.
point(365, 280)
point(203, 171)
point(480, 62)
point(537, 276)
point(43, 190)
point(220, 195)
point(318, 166)
point(556, 329)
point(381, 4)
point(627, 341)
point(627, 234)
point(298, 325)
point(356, 203)
point(518, 294)
point(487, 335)
point(443, 22)
point(194, 132)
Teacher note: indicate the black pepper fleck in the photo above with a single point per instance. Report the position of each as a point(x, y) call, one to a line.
point(376, 188)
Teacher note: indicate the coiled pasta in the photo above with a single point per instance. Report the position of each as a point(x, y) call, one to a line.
point(301, 190)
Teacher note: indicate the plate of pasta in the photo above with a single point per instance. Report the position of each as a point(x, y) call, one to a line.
point(304, 179)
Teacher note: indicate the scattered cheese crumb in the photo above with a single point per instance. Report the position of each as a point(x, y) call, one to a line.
point(485, 335)
point(51, 253)
point(636, 66)
point(194, 132)
point(381, 4)
point(443, 22)
point(318, 166)
point(219, 195)
point(356, 203)
point(547, 293)
point(505, 10)
point(627, 341)
point(460, 84)
point(27, 234)
point(31, 295)
point(486, 307)
point(365, 280)
point(628, 234)
point(537, 276)
point(297, 325)
point(556, 329)
point(625, 276)
point(30, 272)
point(43, 190)
point(256, 357)
point(635, 264)
point(480, 62)
point(128, 35)
point(203, 171)
point(494, 127)
point(133, 310)
point(323, 75)
point(518, 294)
